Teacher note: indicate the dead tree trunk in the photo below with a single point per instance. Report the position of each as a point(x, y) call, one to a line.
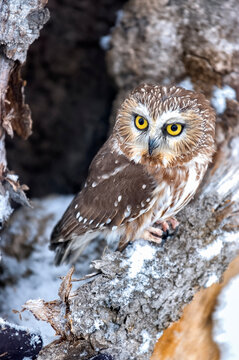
point(20, 23)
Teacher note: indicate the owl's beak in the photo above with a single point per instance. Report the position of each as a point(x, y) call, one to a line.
point(153, 144)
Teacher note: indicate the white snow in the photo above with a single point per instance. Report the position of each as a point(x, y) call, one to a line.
point(186, 84)
point(5, 208)
point(119, 16)
point(106, 39)
point(211, 250)
point(138, 254)
point(211, 280)
point(37, 276)
point(145, 342)
point(105, 42)
point(219, 97)
point(226, 321)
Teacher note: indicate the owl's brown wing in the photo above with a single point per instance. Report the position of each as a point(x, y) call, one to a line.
point(116, 191)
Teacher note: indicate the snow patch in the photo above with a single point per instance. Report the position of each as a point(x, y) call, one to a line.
point(105, 42)
point(219, 97)
point(226, 324)
point(5, 208)
point(137, 257)
point(211, 250)
point(186, 84)
point(211, 280)
point(145, 342)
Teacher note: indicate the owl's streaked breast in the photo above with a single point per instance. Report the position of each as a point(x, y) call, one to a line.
point(173, 194)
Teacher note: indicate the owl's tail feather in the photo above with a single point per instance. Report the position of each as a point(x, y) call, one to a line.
point(69, 249)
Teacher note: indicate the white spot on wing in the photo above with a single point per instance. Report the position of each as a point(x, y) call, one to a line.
point(143, 186)
point(84, 221)
point(80, 219)
point(127, 211)
point(94, 184)
point(77, 215)
point(116, 203)
point(108, 221)
point(114, 227)
point(119, 198)
point(76, 206)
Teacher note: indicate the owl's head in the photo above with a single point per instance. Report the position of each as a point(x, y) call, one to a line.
point(165, 125)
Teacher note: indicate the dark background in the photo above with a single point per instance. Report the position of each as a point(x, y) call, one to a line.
point(70, 95)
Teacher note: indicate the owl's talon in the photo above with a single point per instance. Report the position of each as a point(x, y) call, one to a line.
point(153, 234)
point(165, 224)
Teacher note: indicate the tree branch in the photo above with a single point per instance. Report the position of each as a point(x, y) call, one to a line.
point(139, 292)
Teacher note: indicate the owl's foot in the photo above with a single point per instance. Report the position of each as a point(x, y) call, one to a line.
point(153, 234)
point(165, 225)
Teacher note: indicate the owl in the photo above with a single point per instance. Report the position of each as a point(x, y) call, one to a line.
point(144, 174)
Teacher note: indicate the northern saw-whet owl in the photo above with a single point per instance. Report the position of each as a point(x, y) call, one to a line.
point(147, 171)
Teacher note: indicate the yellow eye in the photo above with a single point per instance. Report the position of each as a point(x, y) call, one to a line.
point(174, 129)
point(141, 123)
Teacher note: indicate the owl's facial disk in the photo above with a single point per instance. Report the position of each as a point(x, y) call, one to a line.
point(165, 125)
point(159, 139)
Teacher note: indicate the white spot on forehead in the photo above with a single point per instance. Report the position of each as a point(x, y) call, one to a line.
point(108, 221)
point(170, 115)
point(94, 184)
point(77, 215)
point(76, 206)
point(80, 219)
point(114, 227)
point(116, 203)
point(144, 186)
point(119, 198)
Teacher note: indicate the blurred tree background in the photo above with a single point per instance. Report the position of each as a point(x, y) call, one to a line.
point(70, 95)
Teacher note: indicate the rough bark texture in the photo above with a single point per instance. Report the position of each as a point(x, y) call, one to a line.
point(123, 310)
point(163, 41)
point(20, 23)
point(166, 41)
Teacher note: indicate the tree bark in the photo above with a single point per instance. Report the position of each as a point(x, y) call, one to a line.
point(20, 23)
